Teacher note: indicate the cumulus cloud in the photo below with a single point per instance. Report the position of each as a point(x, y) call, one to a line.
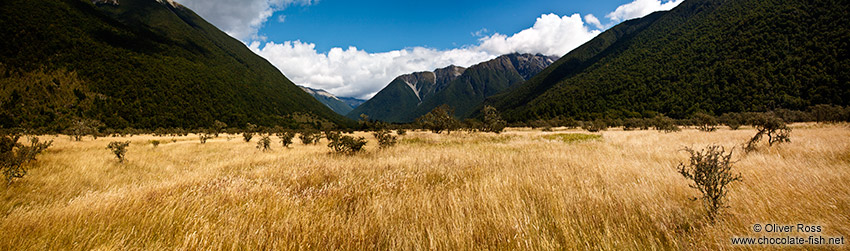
point(592, 20)
point(240, 18)
point(353, 72)
point(640, 8)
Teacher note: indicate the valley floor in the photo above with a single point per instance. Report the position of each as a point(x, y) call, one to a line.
point(516, 190)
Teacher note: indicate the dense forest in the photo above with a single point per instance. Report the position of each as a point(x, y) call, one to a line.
point(710, 56)
point(140, 64)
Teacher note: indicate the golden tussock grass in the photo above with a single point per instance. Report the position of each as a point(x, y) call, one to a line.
point(522, 189)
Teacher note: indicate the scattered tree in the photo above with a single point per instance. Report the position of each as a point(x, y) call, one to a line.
point(14, 156)
point(345, 144)
point(309, 137)
point(595, 126)
point(204, 137)
point(248, 134)
point(768, 125)
point(264, 143)
point(401, 132)
point(385, 138)
point(710, 170)
point(286, 138)
point(155, 143)
point(438, 120)
point(492, 120)
point(119, 149)
point(705, 122)
point(665, 124)
point(84, 127)
point(218, 127)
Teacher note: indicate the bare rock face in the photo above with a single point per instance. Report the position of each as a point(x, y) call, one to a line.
point(112, 2)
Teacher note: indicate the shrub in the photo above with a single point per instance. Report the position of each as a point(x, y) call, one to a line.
point(438, 120)
point(385, 138)
point(705, 122)
point(595, 126)
point(710, 170)
point(767, 124)
point(309, 137)
point(204, 137)
point(401, 132)
point(248, 134)
point(119, 149)
point(286, 138)
point(14, 156)
point(346, 144)
point(264, 143)
point(732, 120)
point(155, 143)
point(492, 120)
point(218, 127)
point(84, 127)
point(665, 124)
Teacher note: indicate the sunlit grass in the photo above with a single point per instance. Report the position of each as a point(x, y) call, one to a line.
point(515, 190)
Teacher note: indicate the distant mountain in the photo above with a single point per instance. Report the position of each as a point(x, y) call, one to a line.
point(713, 56)
point(338, 105)
point(136, 63)
point(412, 95)
point(352, 102)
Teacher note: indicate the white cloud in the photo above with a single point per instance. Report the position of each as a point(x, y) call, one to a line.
point(592, 20)
point(356, 73)
point(640, 8)
point(281, 18)
point(240, 18)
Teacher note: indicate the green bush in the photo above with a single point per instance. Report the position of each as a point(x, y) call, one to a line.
point(385, 138)
point(768, 125)
point(439, 119)
point(705, 122)
point(264, 143)
point(594, 126)
point(309, 137)
point(710, 170)
point(665, 124)
point(286, 138)
point(119, 149)
point(155, 143)
point(346, 144)
point(401, 132)
point(14, 156)
point(492, 120)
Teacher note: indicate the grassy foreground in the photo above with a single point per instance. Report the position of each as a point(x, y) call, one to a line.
point(522, 189)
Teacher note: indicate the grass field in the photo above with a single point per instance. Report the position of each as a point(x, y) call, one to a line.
point(522, 189)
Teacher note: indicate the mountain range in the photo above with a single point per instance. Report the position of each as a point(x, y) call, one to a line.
point(711, 56)
point(137, 63)
point(340, 105)
point(412, 95)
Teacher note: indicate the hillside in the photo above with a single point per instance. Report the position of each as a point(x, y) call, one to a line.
point(397, 100)
point(336, 104)
point(413, 95)
point(138, 63)
point(712, 56)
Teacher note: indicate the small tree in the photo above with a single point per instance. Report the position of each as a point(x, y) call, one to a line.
point(665, 124)
point(401, 132)
point(705, 122)
point(264, 143)
point(119, 149)
point(385, 138)
point(14, 156)
point(204, 137)
point(155, 143)
point(438, 120)
point(248, 134)
point(82, 128)
point(218, 127)
point(309, 137)
point(286, 138)
point(710, 170)
point(732, 120)
point(345, 144)
point(492, 120)
point(595, 126)
point(768, 125)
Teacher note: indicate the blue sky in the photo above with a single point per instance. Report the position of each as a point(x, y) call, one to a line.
point(356, 48)
point(389, 25)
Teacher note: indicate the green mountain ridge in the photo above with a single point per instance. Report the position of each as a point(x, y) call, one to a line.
point(339, 105)
point(413, 95)
point(138, 63)
point(712, 56)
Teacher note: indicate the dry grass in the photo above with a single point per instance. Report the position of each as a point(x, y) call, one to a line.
point(516, 190)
